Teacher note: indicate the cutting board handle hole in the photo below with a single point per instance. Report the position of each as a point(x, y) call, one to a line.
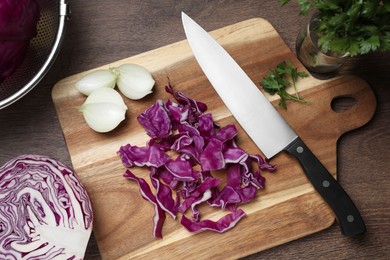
point(342, 103)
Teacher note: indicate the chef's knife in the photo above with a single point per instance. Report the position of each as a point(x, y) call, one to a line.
point(265, 126)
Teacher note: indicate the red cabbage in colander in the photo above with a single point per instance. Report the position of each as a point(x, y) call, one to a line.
point(18, 25)
point(45, 212)
point(184, 149)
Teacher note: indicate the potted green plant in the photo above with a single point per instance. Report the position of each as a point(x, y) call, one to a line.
point(341, 28)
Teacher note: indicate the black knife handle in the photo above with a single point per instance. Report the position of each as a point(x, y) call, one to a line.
point(347, 215)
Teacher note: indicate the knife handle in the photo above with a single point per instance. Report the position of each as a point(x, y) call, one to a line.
point(347, 215)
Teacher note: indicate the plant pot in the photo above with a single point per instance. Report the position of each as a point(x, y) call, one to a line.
point(311, 55)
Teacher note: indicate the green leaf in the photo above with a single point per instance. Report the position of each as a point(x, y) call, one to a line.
point(338, 20)
point(369, 8)
point(339, 45)
point(369, 29)
point(281, 68)
point(386, 5)
point(371, 44)
point(354, 48)
point(385, 42)
point(374, 40)
point(281, 77)
point(327, 5)
point(324, 43)
point(354, 26)
point(305, 6)
point(282, 103)
point(283, 2)
point(365, 48)
point(302, 74)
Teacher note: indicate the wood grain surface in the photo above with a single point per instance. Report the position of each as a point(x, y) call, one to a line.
point(107, 31)
point(119, 209)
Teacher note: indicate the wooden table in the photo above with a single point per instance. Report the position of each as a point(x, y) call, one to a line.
point(100, 32)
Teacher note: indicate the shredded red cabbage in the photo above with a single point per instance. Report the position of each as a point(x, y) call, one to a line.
point(223, 224)
point(147, 194)
point(186, 181)
point(142, 156)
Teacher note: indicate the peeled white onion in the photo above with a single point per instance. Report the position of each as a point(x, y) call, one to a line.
point(134, 81)
point(104, 109)
point(96, 79)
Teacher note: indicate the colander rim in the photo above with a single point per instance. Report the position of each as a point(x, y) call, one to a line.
point(63, 14)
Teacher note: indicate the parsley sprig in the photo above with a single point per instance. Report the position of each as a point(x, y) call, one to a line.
point(350, 26)
point(279, 79)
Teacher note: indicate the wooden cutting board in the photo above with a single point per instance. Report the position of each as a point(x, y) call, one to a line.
point(287, 209)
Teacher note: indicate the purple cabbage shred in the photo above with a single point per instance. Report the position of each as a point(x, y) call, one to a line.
point(186, 146)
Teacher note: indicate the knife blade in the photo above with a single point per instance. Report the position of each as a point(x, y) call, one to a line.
point(265, 126)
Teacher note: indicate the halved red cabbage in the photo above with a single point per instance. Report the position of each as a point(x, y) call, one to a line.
point(186, 181)
point(45, 212)
point(18, 25)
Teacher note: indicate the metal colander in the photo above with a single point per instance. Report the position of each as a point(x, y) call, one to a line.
point(41, 54)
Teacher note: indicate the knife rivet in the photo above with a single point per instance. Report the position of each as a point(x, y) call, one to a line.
point(350, 218)
point(299, 149)
point(326, 184)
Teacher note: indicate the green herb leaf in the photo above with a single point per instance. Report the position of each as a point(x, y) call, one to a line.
point(386, 4)
point(305, 6)
point(283, 2)
point(280, 78)
point(350, 26)
point(354, 48)
point(371, 44)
